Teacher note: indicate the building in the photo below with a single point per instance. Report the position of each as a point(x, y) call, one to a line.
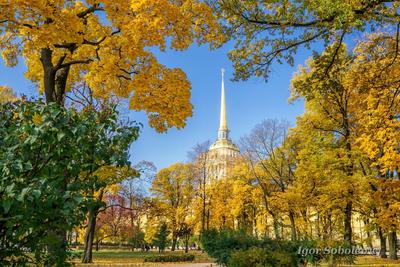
point(223, 151)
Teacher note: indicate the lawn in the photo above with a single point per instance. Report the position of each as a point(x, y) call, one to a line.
point(119, 257)
point(371, 261)
point(136, 258)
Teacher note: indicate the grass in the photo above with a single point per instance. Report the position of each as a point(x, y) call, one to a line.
point(370, 261)
point(134, 258)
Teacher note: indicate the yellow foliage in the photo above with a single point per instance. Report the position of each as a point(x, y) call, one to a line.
point(37, 119)
point(106, 44)
point(6, 94)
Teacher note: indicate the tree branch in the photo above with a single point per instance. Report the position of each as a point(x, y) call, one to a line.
point(73, 62)
point(336, 52)
point(92, 9)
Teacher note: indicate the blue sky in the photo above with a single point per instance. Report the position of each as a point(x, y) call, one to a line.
point(248, 103)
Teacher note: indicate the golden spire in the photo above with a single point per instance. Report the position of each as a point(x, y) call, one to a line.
point(223, 128)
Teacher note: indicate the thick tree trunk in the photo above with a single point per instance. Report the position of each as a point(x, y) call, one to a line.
point(392, 237)
point(49, 74)
point(382, 240)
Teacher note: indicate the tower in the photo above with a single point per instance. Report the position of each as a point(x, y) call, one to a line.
point(223, 150)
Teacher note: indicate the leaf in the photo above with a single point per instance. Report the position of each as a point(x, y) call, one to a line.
point(60, 136)
point(6, 205)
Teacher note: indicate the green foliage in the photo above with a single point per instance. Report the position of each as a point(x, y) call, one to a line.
point(169, 258)
point(238, 249)
point(161, 239)
point(260, 257)
point(220, 245)
point(273, 30)
point(47, 157)
point(137, 239)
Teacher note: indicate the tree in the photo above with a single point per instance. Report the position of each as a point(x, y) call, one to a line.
point(271, 171)
point(105, 43)
point(109, 176)
point(199, 156)
point(161, 238)
point(173, 191)
point(351, 120)
point(374, 76)
point(6, 94)
point(33, 183)
point(329, 103)
point(269, 31)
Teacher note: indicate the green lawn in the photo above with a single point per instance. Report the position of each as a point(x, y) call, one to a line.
point(130, 258)
point(109, 257)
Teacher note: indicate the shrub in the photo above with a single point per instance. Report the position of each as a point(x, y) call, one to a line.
point(237, 248)
point(169, 258)
point(261, 257)
point(220, 244)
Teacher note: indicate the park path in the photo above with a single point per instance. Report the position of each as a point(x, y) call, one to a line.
point(149, 265)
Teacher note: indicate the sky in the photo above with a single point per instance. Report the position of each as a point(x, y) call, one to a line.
point(248, 103)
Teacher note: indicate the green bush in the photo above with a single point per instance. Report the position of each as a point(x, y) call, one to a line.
point(239, 249)
point(220, 244)
point(169, 258)
point(261, 257)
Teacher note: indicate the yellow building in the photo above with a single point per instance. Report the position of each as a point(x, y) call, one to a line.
point(223, 151)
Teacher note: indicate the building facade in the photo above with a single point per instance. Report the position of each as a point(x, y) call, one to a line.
point(223, 151)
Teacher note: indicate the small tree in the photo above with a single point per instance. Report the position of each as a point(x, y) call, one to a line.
point(161, 240)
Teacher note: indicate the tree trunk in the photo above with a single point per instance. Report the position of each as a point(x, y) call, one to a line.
point(292, 225)
point(276, 227)
point(368, 232)
point(382, 240)
point(173, 242)
point(347, 224)
point(392, 245)
point(48, 74)
point(97, 244)
point(186, 243)
point(89, 237)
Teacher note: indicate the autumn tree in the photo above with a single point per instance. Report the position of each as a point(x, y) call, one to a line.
point(245, 200)
point(109, 177)
point(272, 31)
point(262, 150)
point(104, 43)
point(328, 101)
point(199, 156)
point(6, 94)
point(374, 76)
point(173, 188)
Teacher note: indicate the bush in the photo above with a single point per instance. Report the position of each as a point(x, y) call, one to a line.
point(238, 249)
point(261, 257)
point(169, 258)
point(220, 245)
